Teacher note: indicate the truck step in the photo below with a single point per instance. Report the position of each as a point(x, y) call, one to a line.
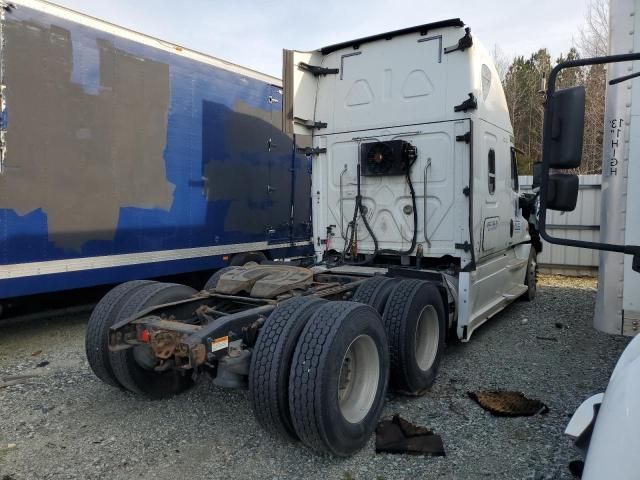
point(515, 292)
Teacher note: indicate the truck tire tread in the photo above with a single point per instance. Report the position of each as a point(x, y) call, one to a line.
point(102, 317)
point(308, 389)
point(400, 311)
point(271, 363)
point(125, 367)
point(375, 292)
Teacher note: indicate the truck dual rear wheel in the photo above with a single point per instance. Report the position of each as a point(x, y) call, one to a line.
point(414, 319)
point(375, 291)
point(105, 314)
point(271, 364)
point(338, 379)
point(133, 367)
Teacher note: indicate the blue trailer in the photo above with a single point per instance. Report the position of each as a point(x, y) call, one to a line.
point(125, 157)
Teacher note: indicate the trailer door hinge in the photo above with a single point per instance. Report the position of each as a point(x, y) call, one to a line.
point(470, 103)
point(317, 71)
point(464, 43)
point(466, 191)
point(309, 123)
point(466, 138)
point(308, 151)
point(466, 246)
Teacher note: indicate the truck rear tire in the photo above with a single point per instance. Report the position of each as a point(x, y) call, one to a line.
point(271, 364)
point(127, 365)
point(414, 319)
point(531, 278)
point(105, 314)
point(241, 259)
point(374, 292)
point(339, 377)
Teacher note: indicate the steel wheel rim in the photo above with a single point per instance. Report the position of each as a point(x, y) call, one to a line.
point(427, 337)
point(358, 379)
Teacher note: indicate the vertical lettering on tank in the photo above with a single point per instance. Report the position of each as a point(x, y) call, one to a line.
point(616, 126)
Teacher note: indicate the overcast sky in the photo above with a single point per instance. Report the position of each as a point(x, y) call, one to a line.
point(253, 33)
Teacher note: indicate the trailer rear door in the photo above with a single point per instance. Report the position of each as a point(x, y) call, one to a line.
point(279, 182)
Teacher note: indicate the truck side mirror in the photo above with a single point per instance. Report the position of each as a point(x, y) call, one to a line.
point(567, 127)
point(566, 111)
point(562, 193)
point(562, 149)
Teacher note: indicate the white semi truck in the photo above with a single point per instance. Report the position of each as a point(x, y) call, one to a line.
point(419, 233)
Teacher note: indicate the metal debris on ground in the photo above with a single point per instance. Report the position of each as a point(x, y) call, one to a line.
point(397, 435)
point(508, 404)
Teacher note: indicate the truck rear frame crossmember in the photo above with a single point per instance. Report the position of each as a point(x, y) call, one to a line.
point(208, 321)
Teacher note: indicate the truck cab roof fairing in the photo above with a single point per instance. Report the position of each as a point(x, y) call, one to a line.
point(423, 29)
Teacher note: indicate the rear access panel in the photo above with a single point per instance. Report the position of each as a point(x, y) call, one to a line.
point(439, 176)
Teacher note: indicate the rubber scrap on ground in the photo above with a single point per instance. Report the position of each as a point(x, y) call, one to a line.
point(508, 403)
point(397, 435)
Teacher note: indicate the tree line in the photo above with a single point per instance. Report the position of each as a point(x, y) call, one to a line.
point(524, 81)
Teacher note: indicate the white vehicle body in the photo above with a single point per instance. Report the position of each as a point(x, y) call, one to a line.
point(615, 418)
point(406, 86)
point(618, 300)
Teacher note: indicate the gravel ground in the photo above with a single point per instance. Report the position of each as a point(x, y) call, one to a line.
point(64, 423)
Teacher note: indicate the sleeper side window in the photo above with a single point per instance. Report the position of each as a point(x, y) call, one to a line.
point(492, 171)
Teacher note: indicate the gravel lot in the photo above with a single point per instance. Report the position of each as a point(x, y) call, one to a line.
point(64, 423)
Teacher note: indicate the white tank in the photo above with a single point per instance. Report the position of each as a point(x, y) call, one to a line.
point(618, 298)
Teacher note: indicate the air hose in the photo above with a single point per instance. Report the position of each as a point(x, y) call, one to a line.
point(352, 225)
point(410, 159)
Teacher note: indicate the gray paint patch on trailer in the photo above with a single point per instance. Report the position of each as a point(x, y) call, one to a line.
point(244, 178)
point(81, 157)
